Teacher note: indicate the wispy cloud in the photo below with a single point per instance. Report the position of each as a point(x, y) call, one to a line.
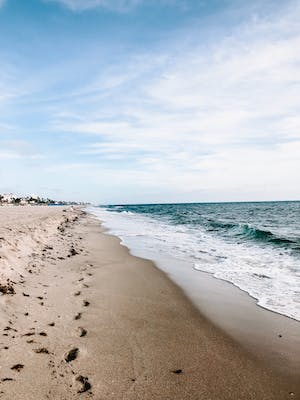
point(12, 80)
point(207, 113)
point(121, 6)
point(215, 115)
point(18, 149)
point(114, 5)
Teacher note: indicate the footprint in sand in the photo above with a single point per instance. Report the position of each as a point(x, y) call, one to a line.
point(41, 350)
point(86, 303)
point(177, 371)
point(84, 383)
point(29, 334)
point(83, 332)
point(9, 328)
point(72, 355)
point(17, 367)
point(78, 316)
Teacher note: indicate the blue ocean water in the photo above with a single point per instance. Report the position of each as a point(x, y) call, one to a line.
point(255, 246)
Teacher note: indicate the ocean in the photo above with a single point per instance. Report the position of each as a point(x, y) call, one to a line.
point(253, 245)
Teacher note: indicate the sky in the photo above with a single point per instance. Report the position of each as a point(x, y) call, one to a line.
point(150, 101)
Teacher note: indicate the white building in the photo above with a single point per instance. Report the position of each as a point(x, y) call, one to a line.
point(8, 198)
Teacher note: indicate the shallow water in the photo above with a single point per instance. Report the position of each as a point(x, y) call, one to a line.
point(255, 246)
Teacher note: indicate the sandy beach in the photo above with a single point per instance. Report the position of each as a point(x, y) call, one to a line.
point(83, 318)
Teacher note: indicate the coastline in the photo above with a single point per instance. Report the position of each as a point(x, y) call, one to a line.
point(136, 334)
point(273, 338)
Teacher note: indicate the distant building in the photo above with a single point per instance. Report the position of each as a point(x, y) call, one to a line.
point(23, 202)
point(33, 200)
point(8, 198)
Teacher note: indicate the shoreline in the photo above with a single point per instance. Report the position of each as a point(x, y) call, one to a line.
point(270, 336)
point(136, 334)
point(260, 262)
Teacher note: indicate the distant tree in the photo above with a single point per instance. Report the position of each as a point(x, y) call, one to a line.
point(49, 201)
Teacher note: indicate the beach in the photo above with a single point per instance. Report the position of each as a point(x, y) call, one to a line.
point(83, 318)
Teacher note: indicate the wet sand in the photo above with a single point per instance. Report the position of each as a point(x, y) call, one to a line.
point(86, 319)
point(273, 338)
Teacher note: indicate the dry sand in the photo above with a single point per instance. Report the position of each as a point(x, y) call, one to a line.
point(89, 320)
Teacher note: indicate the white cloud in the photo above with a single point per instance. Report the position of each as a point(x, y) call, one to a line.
point(12, 85)
point(114, 5)
point(206, 121)
point(14, 155)
point(4, 128)
point(222, 117)
point(18, 149)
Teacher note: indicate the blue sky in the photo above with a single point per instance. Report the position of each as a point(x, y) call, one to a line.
point(129, 101)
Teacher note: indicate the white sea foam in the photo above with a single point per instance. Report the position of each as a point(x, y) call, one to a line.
point(267, 274)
